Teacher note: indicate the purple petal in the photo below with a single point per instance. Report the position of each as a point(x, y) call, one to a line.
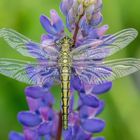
point(93, 125)
point(47, 113)
point(102, 30)
point(57, 22)
point(45, 99)
point(76, 84)
point(45, 37)
point(29, 119)
point(97, 33)
point(73, 118)
point(92, 34)
point(65, 6)
point(71, 104)
point(47, 137)
point(85, 28)
point(55, 123)
point(98, 138)
point(33, 104)
point(47, 40)
point(96, 19)
point(67, 134)
point(35, 92)
point(16, 136)
point(85, 112)
point(82, 135)
point(46, 23)
point(98, 5)
point(100, 108)
point(71, 133)
point(89, 100)
point(44, 129)
point(49, 83)
point(71, 20)
point(48, 99)
point(102, 88)
point(31, 134)
point(69, 26)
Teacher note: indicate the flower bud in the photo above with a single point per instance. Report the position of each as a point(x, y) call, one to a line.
point(87, 3)
point(29, 119)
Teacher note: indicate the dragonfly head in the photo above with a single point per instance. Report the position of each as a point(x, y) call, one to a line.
point(65, 43)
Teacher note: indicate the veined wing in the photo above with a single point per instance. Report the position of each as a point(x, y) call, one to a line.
point(101, 72)
point(27, 47)
point(100, 49)
point(28, 72)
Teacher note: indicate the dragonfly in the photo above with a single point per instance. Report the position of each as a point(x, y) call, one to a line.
point(60, 60)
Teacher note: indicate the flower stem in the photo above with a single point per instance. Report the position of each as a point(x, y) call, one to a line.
point(77, 29)
point(59, 132)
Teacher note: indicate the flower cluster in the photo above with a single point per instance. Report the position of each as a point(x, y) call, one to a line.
point(42, 120)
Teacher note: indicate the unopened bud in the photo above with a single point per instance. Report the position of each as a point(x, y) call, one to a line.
point(87, 3)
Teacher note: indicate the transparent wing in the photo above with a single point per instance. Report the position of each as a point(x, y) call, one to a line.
point(28, 72)
point(27, 47)
point(101, 72)
point(100, 49)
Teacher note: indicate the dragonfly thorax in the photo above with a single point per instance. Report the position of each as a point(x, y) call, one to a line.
point(65, 43)
point(65, 47)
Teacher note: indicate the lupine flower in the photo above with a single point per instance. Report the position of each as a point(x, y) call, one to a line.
point(42, 120)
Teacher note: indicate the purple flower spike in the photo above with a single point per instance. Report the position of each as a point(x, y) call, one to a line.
point(29, 119)
point(43, 121)
point(16, 136)
point(93, 125)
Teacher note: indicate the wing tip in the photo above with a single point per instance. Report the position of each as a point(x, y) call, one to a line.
point(3, 31)
point(134, 31)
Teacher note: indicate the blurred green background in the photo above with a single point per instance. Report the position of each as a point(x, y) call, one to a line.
point(122, 112)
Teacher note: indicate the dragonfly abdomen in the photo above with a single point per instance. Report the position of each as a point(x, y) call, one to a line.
point(65, 75)
point(65, 95)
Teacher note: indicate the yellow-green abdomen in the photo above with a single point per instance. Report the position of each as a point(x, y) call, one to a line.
point(65, 75)
point(65, 71)
point(65, 95)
